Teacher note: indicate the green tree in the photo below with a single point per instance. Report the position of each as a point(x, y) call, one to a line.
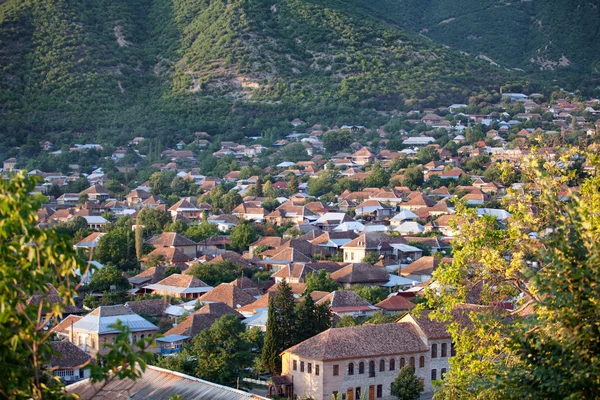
point(378, 177)
point(230, 200)
point(319, 280)
point(30, 259)
point(551, 351)
point(243, 235)
point(160, 182)
point(106, 277)
point(337, 140)
point(407, 386)
point(292, 185)
point(82, 199)
point(204, 230)
point(117, 247)
point(413, 177)
point(371, 294)
point(281, 327)
point(223, 352)
point(153, 220)
point(215, 273)
point(311, 319)
point(346, 321)
point(269, 191)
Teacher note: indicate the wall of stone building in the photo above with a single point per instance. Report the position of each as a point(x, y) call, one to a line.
point(326, 384)
point(438, 363)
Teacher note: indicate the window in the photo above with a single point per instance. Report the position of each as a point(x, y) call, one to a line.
point(351, 369)
point(63, 372)
point(142, 336)
point(134, 339)
point(433, 374)
point(295, 365)
point(379, 391)
point(336, 370)
point(444, 350)
point(103, 342)
point(357, 393)
point(412, 362)
point(371, 368)
point(381, 365)
point(434, 350)
point(309, 369)
point(361, 367)
point(301, 366)
point(422, 362)
point(402, 362)
point(317, 367)
point(352, 258)
point(452, 350)
point(442, 373)
point(93, 343)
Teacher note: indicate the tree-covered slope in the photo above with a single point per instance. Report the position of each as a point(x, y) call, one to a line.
point(114, 69)
point(532, 34)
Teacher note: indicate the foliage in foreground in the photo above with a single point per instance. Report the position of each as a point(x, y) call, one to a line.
point(30, 259)
point(550, 261)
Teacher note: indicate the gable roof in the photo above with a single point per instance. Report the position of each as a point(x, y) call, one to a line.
point(395, 303)
point(423, 266)
point(346, 300)
point(229, 294)
point(361, 342)
point(360, 273)
point(168, 239)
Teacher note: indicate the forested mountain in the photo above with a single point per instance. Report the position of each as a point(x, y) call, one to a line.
point(114, 69)
point(528, 34)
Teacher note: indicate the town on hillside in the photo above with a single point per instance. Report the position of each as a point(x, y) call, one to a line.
point(306, 260)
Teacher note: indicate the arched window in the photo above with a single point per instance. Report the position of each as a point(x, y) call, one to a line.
point(444, 350)
point(381, 365)
point(442, 373)
point(402, 362)
point(351, 369)
point(434, 350)
point(452, 350)
point(371, 368)
point(392, 364)
point(134, 339)
point(412, 362)
point(142, 336)
point(422, 362)
point(433, 374)
point(361, 367)
point(103, 342)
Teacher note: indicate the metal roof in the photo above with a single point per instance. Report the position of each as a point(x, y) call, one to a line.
point(158, 384)
point(101, 325)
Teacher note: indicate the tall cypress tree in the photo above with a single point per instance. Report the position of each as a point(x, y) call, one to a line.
point(270, 357)
point(281, 327)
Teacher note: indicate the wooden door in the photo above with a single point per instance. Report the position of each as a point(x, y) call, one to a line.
point(350, 394)
point(371, 392)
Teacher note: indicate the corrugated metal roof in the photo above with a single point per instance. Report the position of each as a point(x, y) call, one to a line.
point(101, 325)
point(158, 384)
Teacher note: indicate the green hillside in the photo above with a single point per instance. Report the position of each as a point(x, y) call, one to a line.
point(108, 70)
point(533, 35)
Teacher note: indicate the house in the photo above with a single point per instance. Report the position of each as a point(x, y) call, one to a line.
point(330, 220)
point(97, 193)
point(355, 362)
point(330, 243)
point(136, 196)
point(69, 362)
point(178, 285)
point(148, 308)
point(347, 302)
point(224, 222)
point(360, 274)
point(93, 332)
point(409, 228)
point(395, 304)
point(186, 210)
point(95, 222)
point(376, 244)
point(421, 270)
point(403, 216)
point(166, 255)
point(373, 210)
point(176, 241)
point(229, 294)
point(249, 212)
point(89, 242)
point(9, 164)
point(363, 156)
